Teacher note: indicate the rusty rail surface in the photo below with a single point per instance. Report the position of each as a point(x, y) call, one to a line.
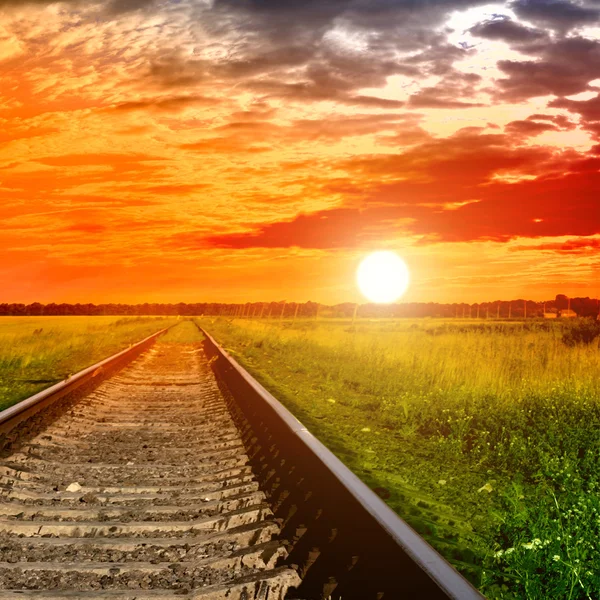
point(16, 414)
point(346, 543)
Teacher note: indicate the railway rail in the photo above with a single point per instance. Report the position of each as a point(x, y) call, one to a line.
point(168, 472)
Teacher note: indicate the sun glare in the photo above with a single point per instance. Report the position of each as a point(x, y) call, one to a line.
point(383, 277)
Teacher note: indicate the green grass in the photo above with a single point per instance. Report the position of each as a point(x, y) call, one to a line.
point(484, 436)
point(37, 352)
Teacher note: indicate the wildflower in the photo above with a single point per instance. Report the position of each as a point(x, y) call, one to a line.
point(499, 553)
point(527, 546)
point(366, 429)
point(442, 482)
point(556, 558)
point(509, 550)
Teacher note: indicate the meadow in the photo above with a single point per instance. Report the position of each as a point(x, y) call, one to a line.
point(483, 435)
point(37, 352)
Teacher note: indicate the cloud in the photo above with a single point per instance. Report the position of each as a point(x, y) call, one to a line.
point(111, 7)
point(213, 126)
point(90, 159)
point(561, 121)
point(528, 128)
point(86, 228)
point(254, 135)
point(175, 103)
point(337, 228)
point(535, 210)
point(455, 90)
point(315, 51)
point(558, 14)
point(448, 190)
point(588, 109)
point(506, 30)
point(574, 246)
point(562, 68)
point(117, 7)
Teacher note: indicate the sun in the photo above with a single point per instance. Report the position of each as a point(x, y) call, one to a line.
point(383, 277)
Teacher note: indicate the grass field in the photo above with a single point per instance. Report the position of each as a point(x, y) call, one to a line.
point(484, 436)
point(185, 332)
point(37, 352)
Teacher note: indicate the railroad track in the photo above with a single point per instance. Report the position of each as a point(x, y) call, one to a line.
point(170, 480)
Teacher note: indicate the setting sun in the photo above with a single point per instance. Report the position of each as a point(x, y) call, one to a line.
point(383, 277)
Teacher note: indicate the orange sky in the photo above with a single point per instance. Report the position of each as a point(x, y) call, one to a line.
point(231, 150)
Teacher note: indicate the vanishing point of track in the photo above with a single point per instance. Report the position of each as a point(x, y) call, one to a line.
point(161, 482)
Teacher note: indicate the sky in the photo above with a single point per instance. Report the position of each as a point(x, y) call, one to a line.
point(250, 150)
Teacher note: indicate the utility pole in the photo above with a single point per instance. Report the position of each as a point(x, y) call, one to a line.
point(498, 311)
point(296, 311)
point(509, 309)
point(355, 311)
point(282, 310)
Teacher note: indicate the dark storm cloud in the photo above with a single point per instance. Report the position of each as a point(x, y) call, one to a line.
point(557, 14)
point(285, 49)
point(506, 30)
point(321, 13)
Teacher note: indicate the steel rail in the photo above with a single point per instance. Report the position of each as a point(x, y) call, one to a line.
point(16, 414)
point(381, 539)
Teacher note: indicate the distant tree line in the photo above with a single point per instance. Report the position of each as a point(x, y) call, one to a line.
point(583, 307)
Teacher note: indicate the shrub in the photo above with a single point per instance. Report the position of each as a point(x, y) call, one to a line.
point(583, 331)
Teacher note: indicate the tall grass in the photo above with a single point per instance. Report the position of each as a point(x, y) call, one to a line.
point(36, 352)
point(484, 436)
